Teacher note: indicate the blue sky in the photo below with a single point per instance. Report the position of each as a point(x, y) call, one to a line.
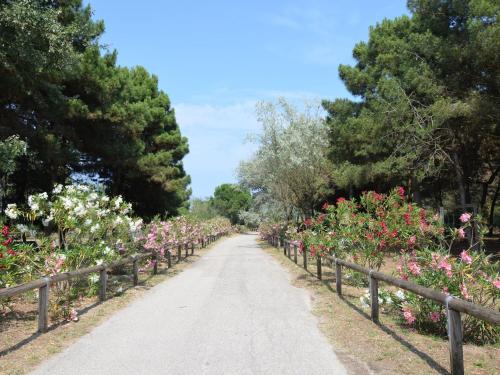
point(216, 59)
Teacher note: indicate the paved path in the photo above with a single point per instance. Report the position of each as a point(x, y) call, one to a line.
point(232, 312)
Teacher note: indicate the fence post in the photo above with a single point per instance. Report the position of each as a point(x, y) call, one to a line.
point(373, 297)
point(103, 280)
point(179, 250)
point(288, 248)
point(295, 253)
point(186, 247)
point(318, 268)
point(43, 306)
point(338, 277)
point(154, 259)
point(304, 254)
point(192, 248)
point(455, 338)
point(169, 258)
point(135, 266)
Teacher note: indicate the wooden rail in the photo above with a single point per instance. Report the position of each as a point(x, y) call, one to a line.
point(454, 306)
point(43, 284)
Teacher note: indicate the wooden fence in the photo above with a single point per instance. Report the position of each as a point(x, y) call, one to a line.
point(43, 284)
point(454, 306)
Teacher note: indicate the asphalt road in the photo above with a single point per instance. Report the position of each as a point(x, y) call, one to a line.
point(232, 312)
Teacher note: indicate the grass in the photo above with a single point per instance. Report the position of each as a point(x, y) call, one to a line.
point(22, 349)
point(385, 348)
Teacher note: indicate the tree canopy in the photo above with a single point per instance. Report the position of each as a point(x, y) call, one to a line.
point(229, 200)
point(426, 108)
point(82, 115)
point(290, 171)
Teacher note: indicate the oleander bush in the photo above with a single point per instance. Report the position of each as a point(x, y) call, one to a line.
point(376, 226)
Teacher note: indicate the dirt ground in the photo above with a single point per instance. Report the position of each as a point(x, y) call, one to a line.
point(386, 348)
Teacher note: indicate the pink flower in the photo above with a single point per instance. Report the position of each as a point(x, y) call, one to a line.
point(465, 217)
point(73, 315)
point(445, 290)
point(325, 206)
point(414, 268)
point(461, 233)
point(445, 266)
point(465, 257)
point(412, 240)
point(464, 291)
point(435, 316)
point(496, 283)
point(408, 315)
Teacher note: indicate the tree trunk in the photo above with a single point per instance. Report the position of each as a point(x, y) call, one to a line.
point(492, 210)
point(414, 191)
point(460, 183)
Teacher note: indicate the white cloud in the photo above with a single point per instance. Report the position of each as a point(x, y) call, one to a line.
point(217, 144)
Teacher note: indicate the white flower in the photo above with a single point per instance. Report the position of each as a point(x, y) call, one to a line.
point(11, 211)
point(94, 228)
point(43, 196)
point(400, 294)
point(119, 290)
point(80, 210)
point(57, 189)
point(87, 222)
point(47, 221)
point(22, 228)
point(105, 198)
point(98, 262)
point(67, 202)
point(135, 225)
point(107, 250)
point(364, 301)
point(118, 201)
point(93, 278)
point(93, 196)
point(83, 188)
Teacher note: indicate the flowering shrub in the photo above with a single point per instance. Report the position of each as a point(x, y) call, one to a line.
point(162, 235)
point(471, 276)
point(369, 229)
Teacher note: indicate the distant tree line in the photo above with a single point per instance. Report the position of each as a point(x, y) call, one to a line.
point(80, 114)
point(229, 200)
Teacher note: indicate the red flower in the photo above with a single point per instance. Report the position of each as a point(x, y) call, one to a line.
point(5, 230)
point(313, 250)
point(11, 252)
point(401, 191)
point(321, 218)
point(369, 236)
point(383, 225)
point(394, 233)
point(7, 242)
point(407, 218)
point(340, 200)
point(325, 206)
point(308, 222)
